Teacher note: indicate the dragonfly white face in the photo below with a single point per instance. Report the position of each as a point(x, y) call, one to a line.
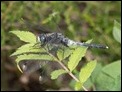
point(38, 39)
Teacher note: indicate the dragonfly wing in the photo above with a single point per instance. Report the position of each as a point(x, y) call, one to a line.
point(29, 67)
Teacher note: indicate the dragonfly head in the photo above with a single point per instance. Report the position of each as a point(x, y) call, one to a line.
point(42, 38)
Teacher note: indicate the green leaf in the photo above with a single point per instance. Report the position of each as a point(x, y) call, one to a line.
point(86, 71)
point(25, 36)
point(109, 78)
point(113, 69)
point(107, 83)
point(117, 85)
point(33, 57)
point(62, 54)
point(96, 72)
point(76, 56)
point(28, 48)
point(117, 31)
point(19, 68)
point(88, 84)
point(56, 73)
point(78, 86)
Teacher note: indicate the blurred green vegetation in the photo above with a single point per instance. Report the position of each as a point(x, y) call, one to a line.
point(79, 21)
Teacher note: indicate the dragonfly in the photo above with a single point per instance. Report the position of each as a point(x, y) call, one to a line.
point(54, 39)
point(58, 38)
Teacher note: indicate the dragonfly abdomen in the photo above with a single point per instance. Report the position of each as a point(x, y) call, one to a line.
point(92, 45)
point(69, 42)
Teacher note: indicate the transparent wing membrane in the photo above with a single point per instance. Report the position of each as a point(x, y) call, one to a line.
point(29, 67)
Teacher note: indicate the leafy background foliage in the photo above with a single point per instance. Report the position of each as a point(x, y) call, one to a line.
point(79, 21)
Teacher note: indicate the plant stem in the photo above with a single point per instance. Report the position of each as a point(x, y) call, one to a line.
point(70, 73)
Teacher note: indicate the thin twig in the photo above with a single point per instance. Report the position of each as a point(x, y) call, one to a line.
point(71, 74)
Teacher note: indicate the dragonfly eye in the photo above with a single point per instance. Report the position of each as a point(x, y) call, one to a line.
point(42, 38)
